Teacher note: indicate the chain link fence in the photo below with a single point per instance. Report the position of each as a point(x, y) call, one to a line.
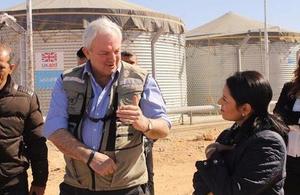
point(14, 36)
point(210, 61)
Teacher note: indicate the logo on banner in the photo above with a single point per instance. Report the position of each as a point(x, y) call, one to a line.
point(46, 79)
point(49, 60)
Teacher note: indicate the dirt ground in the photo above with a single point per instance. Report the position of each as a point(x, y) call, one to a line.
point(174, 159)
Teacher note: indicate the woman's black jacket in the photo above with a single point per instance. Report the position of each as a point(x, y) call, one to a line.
point(255, 166)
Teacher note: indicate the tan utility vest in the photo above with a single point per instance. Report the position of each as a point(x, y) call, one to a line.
point(121, 142)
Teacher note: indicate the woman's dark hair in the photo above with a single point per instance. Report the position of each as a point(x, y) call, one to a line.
point(296, 80)
point(252, 88)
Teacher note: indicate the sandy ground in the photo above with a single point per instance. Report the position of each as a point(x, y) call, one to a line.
point(174, 159)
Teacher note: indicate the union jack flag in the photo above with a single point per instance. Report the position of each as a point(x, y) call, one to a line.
point(49, 57)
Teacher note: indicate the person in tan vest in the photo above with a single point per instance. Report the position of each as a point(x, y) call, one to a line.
point(98, 116)
point(21, 141)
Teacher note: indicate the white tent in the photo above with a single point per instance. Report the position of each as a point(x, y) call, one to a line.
point(231, 24)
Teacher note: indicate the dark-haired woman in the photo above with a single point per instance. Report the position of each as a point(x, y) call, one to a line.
point(288, 108)
point(249, 158)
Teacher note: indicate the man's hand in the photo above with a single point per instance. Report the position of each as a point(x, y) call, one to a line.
point(36, 190)
point(211, 148)
point(294, 128)
point(132, 114)
point(103, 164)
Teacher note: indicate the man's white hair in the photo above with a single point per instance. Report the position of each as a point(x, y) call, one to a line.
point(100, 26)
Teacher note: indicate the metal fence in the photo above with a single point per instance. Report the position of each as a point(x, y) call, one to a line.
point(13, 35)
point(210, 62)
point(205, 113)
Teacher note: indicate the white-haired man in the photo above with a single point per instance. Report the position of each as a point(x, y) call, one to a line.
point(98, 115)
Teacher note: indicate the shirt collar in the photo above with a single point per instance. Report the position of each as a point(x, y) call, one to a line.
point(88, 71)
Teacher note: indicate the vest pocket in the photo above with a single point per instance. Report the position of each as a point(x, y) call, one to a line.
point(131, 169)
point(127, 137)
point(71, 172)
point(127, 91)
point(75, 102)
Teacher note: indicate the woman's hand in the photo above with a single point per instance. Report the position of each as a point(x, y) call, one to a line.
point(211, 148)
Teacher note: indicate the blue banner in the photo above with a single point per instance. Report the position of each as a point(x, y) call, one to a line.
point(46, 79)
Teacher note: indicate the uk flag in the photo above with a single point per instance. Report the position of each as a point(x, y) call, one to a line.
point(49, 57)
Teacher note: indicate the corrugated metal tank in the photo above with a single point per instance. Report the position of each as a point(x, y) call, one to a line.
point(209, 66)
point(282, 64)
point(139, 25)
point(171, 73)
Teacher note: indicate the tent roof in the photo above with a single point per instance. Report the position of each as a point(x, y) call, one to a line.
point(53, 4)
point(230, 24)
point(69, 14)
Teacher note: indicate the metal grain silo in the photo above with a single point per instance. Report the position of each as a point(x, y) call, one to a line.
point(156, 38)
point(217, 49)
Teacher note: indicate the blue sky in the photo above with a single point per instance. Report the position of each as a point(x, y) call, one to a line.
point(194, 13)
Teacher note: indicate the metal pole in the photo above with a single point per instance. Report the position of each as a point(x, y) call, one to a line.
point(239, 51)
point(153, 56)
point(239, 56)
point(266, 41)
point(30, 75)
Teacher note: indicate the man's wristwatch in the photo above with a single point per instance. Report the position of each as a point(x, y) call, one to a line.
point(150, 127)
